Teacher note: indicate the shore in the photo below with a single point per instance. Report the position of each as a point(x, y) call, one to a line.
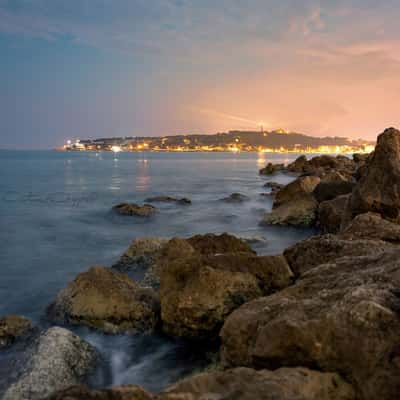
point(319, 321)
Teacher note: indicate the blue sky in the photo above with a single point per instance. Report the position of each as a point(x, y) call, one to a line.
point(92, 68)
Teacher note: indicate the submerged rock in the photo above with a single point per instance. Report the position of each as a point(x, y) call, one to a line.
point(58, 359)
point(13, 327)
point(198, 289)
point(341, 317)
point(168, 199)
point(132, 209)
point(107, 300)
point(235, 198)
point(249, 384)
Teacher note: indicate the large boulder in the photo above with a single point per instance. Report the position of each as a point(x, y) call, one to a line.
point(317, 250)
point(198, 290)
point(294, 204)
point(249, 384)
point(58, 359)
point(378, 189)
point(329, 190)
point(107, 300)
point(132, 209)
point(331, 214)
point(270, 169)
point(340, 317)
point(13, 327)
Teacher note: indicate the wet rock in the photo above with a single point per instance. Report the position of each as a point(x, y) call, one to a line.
point(299, 165)
point(57, 360)
point(318, 250)
point(248, 384)
point(274, 186)
point(132, 209)
point(294, 204)
point(13, 327)
point(339, 317)
point(331, 213)
point(199, 290)
point(123, 392)
point(141, 254)
point(235, 198)
point(270, 169)
point(107, 300)
point(378, 189)
point(168, 199)
point(372, 226)
point(329, 190)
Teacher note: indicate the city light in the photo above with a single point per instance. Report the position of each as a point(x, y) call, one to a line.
point(116, 149)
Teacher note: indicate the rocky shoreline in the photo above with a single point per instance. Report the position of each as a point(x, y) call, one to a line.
point(320, 321)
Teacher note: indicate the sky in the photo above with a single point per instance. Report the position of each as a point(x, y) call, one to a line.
point(100, 68)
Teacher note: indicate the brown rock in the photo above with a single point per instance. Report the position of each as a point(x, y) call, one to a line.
point(146, 210)
point(329, 190)
point(169, 199)
point(248, 384)
point(340, 317)
point(330, 214)
point(271, 169)
point(107, 300)
point(13, 327)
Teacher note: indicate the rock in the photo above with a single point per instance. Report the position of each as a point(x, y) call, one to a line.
point(331, 213)
point(378, 189)
point(318, 250)
point(334, 176)
point(13, 327)
point(107, 300)
point(372, 226)
point(329, 190)
point(272, 168)
point(249, 384)
point(57, 360)
point(360, 158)
point(146, 210)
point(199, 290)
point(299, 165)
point(235, 198)
point(274, 186)
point(168, 199)
point(141, 254)
point(124, 392)
point(341, 317)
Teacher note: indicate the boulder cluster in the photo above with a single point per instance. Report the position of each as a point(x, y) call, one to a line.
point(319, 322)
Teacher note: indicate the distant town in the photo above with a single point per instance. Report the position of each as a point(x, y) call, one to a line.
point(277, 141)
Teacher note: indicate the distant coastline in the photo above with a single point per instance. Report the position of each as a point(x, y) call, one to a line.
point(278, 141)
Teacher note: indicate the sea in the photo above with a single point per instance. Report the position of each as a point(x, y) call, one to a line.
point(56, 220)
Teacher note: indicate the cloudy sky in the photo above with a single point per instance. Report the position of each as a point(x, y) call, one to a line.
point(93, 68)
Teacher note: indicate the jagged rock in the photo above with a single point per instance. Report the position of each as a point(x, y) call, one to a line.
point(334, 176)
point(294, 204)
point(270, 169)
point(13, 327)
point(378, 189)
point(146, 210)
point(329, 190)
point(198, 290)
point(235, 198)
point(58, 359)
point(330, 214)
point(372, 226)
point(123, 392)
point(168, 199)
point(248, 384)
point(107, 300)
point(318, 250)
point(142, 254)
point(339, 317)
point(299, 165)
point(360, 158)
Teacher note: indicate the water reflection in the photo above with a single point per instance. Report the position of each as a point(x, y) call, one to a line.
point(143, 177)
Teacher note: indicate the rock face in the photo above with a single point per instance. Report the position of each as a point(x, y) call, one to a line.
point(329, 190)
point(295, 204)
point(124, 392)
point(378, 189)
point(146, 210)
point(248, 384)
point(271, 169)
point(199, 287)
point(58, 360)
point(107, 300)
point(13, 327)
point(343, 316)
point(331, 214)
point(169, 199)
point(235, 198)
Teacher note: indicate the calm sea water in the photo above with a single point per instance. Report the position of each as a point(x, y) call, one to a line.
point(56, 221)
